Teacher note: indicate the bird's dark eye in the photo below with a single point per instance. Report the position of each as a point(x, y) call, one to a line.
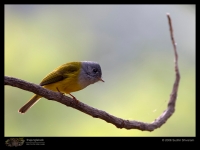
point(95, 70)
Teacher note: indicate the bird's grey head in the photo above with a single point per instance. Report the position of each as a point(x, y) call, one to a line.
point(92, 71)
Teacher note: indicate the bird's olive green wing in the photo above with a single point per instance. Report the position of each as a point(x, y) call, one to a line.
point(61, 73)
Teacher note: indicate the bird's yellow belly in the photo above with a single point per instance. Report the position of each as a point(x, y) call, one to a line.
point(65, 86)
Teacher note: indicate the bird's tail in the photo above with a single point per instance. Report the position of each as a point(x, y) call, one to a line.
point(29, 104)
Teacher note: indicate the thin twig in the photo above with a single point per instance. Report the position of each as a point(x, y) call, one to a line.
point(176, 84)
point(118, 122)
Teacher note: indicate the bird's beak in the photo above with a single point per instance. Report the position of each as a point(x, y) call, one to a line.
point(101, 80)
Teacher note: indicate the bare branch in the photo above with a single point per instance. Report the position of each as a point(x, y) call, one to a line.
point(96, 113)
point(176, 83)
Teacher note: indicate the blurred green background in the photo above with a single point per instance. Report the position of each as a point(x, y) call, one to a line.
point(133, 46)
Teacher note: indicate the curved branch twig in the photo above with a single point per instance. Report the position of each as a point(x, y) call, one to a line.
point(118, 122)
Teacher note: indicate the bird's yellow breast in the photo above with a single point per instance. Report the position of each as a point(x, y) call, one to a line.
point(65, 86)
